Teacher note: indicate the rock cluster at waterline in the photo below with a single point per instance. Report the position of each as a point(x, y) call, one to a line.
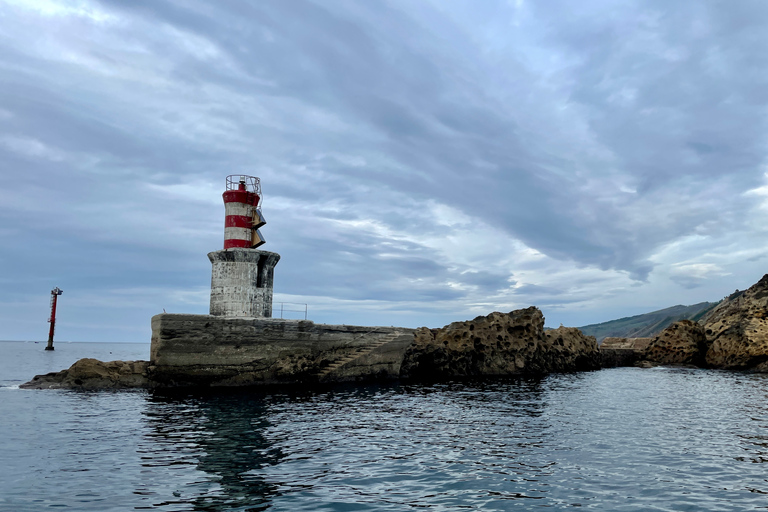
point(682, 343)
point(737, 330)
point(92, 374)
point(203, 350)
point(496, 345)
point(733, 336)
point(206, 351)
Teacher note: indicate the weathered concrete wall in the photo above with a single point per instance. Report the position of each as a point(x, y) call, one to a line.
point(242, 281)
point(217, 351)
point(616, 352)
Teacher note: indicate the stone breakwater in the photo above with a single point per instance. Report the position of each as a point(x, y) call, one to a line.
point(616, 352)
point(210, 351)
point(215, 351)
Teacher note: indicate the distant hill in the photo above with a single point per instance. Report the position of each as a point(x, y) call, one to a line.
point(649, 324)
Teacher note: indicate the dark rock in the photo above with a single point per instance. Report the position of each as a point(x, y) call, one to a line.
point(737, 330)
point(92, 374)
point(496, 345)
point(682, 343)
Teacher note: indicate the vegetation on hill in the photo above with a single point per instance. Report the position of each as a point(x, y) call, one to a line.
point(649, 324)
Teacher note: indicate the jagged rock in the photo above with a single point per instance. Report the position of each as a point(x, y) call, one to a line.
point(615, 352)
point(498, 344)
point(737, 330)
point(682, 343)
point(92, 374)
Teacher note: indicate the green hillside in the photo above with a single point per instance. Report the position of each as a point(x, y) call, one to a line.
point(649, 324)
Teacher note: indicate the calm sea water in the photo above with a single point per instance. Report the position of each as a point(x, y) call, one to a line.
point(618, 439)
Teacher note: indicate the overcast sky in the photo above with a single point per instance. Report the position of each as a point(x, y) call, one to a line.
point(422, 161)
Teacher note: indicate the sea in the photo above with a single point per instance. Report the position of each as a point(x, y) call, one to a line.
point(623, 439)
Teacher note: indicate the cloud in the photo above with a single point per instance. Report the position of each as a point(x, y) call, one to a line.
point(693, 275)
point(420, 162)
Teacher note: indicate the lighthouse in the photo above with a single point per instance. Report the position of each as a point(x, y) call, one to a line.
point(242, 275)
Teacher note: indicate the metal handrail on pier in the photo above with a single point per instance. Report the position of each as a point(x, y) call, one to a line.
point(286, 310)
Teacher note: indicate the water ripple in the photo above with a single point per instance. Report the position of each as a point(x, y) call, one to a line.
point(621, 439)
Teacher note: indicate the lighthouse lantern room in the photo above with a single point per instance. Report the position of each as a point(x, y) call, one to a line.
point(242, 209)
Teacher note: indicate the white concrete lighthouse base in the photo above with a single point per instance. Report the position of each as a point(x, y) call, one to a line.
point(242, 282)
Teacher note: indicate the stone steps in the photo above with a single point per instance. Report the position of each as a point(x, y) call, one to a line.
point(357, 353)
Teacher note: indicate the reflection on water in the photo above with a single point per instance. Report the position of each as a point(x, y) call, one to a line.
point(619, 439)
point(627, 439)
point(222, 436)
point(380, 445)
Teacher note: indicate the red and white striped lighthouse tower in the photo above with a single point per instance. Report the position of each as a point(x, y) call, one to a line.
point(243, 212)
point(242, 277)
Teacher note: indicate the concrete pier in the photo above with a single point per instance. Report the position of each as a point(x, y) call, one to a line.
point(206, 350)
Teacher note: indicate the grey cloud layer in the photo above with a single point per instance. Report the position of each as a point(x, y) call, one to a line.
point(592, 133)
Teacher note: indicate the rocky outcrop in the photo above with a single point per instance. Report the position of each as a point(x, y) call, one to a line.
point(737, 330)
point(615, 352)
point(496, 345)
point(92, 374)
point(682, 343)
